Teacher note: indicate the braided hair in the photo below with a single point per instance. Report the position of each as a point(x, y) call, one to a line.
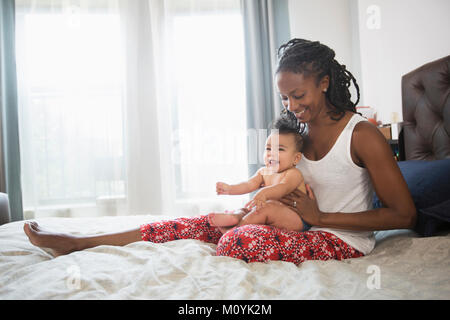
point(313, 58)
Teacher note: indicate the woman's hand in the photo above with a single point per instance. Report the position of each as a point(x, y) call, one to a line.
point(258, 202)
point(304, 204)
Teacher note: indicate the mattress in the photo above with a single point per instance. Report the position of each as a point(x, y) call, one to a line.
point(402, 266)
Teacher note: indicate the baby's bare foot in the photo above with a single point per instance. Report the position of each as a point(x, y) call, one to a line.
point(60, 243)
point(225, 229)
point(227, 219)
point(223, 219)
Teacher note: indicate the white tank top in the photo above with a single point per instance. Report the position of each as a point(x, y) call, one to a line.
point(341, 186)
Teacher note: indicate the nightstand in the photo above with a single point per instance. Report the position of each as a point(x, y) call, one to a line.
point(397, 145)
point(396, 148)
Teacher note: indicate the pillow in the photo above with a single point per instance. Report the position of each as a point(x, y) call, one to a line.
point(429, 184)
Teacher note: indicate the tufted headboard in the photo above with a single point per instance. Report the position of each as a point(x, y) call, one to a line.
point(426, 111)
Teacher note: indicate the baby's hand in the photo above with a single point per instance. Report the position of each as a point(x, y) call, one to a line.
point(258, 202)
point(222, 188)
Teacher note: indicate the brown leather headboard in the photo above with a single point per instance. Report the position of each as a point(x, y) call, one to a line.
point(426, 111)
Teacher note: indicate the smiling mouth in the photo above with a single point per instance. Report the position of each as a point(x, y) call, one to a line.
point(298, 115)
point(273, 162)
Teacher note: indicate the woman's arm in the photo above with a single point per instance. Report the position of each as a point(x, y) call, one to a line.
point(369, 148)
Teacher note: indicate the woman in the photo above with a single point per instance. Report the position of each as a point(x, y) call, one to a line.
point(344, 158)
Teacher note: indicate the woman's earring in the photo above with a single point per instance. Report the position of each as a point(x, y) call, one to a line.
point(325, 90)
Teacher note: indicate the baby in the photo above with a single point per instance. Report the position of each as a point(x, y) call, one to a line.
point(278, 178)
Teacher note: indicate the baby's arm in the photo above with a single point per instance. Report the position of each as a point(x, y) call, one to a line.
point(288, 184)
point(254, 183)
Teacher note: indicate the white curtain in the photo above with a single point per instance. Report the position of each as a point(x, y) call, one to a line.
point(199, 46)
point(70, 86)
point(130, 107)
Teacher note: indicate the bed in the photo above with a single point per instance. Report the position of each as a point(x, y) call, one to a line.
point(405, 264)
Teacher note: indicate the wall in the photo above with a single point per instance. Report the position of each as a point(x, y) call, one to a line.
point(330, 22)
point(410, 33)
point(379, 40)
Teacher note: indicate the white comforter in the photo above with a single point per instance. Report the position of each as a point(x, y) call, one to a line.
point(402, 266)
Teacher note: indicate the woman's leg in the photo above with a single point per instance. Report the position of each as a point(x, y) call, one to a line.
point(197, 228)
point(64, 243)
point(259, 243)
point(181, 228)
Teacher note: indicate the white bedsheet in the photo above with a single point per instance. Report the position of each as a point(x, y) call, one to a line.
point(409, 268)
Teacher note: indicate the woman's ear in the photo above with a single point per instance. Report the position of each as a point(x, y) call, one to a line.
point(324, 83)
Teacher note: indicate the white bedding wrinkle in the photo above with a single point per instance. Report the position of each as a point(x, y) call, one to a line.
point(410, 268)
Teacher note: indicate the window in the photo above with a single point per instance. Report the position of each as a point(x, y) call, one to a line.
point(70, 100)
point(209, 102)
point(85, 83)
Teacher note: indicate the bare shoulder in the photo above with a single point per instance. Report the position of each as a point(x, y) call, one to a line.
point(261, 171)
point(366, 133)
point(294, 173)
point(369, 143)
point(296, 170)
point(257, 177)
point(365, 127)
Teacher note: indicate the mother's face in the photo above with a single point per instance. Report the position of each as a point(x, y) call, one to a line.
point(301, 95)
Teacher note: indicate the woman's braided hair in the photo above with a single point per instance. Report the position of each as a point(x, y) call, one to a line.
point(313, 58)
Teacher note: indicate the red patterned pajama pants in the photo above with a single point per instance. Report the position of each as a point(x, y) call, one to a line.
point(253, 243)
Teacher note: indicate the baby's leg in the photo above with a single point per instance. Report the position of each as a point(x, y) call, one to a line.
point(274, 214)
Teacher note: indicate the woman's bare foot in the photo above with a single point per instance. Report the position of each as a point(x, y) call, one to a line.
point(60, 243)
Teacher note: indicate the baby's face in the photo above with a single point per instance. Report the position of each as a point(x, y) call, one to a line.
point(281, 152)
